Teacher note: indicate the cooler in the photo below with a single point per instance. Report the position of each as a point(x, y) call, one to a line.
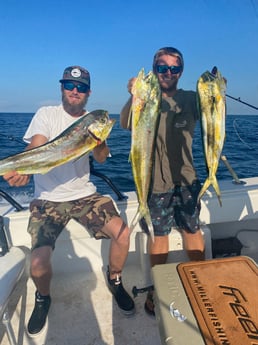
point(213, 302)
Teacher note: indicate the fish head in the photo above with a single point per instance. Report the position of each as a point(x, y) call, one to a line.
point(101, 125)
point(145, 89)
point(145, 85)
point(212, 87)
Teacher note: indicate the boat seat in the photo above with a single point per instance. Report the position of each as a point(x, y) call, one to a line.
point(12, 265)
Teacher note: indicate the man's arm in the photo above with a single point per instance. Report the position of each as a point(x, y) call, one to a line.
point(101, 152)
point(125, 113)
point(125, 120)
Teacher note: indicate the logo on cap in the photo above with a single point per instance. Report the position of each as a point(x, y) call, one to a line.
point(76, 73)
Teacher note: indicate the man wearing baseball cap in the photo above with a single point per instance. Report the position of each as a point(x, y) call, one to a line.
point(76, 73)
point(66, 192)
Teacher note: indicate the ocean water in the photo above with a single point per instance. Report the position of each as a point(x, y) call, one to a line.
point(240, 149)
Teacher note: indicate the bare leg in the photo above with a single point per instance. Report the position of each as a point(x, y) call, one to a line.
point(194, 245)
point(158, 250)
point(41, 274)
point(41, 269)
point(120, 240)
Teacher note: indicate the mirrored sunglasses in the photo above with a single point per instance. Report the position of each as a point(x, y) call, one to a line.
point(164, 68)
point(81, 88)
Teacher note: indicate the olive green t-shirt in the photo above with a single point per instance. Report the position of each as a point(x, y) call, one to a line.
point(173, 160)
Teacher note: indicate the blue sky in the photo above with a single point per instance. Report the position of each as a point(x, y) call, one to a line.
point(115, 39)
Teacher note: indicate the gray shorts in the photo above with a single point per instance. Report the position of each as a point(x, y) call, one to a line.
point(48, 218)
point(178, 208)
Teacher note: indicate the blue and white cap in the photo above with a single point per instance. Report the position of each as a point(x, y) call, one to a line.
point(76, 73)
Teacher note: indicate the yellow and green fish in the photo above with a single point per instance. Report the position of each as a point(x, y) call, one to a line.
point(144, 119)
point(77, 140)
point(211, 97)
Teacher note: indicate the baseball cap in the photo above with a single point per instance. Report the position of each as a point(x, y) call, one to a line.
point(76, 73)
point(168, 51)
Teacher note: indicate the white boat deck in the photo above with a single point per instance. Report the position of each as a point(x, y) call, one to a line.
point(83, 312)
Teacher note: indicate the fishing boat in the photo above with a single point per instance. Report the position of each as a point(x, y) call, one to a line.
point(83, 311)
point(196, 303)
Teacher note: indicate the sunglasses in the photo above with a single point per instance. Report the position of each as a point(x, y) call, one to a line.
point(164, 68)
point(81, 88)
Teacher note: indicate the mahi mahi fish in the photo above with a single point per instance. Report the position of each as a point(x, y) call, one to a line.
point(211, 96)
point(144, 118)
point(75, 141)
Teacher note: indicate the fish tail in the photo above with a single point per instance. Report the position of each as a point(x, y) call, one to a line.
point(208, 182)
point(205, 186)
point(135, 220)
point(143, 213)
point(148, 220)
point(216, 188)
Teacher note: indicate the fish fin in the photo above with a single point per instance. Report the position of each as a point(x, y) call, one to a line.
point(216, 188)
point(129, 120)
point(149, 224)
point(205, 186)
point(129, 157)
point(210, 181)
point(214, 70)
point(135, 220)
point(79, 157)
point(146, 215)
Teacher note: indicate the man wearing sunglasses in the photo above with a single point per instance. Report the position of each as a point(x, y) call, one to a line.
point(66, 192)
point(175, 187)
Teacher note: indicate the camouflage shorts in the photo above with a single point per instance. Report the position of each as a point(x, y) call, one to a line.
point(48, 218)
point(178, 207)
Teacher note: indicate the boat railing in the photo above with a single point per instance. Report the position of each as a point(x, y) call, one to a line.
point(11, 201)
point(96, 173)
point(93, 171)
point(3, 240)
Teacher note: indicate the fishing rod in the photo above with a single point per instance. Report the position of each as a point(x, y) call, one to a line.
point(239, 100)
point(214, 72)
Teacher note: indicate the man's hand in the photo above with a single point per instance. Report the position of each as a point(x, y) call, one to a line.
point(101, 152)
point(130, 84)
point(15, 179)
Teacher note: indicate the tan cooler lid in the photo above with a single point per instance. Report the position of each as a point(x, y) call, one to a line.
point(223, 294)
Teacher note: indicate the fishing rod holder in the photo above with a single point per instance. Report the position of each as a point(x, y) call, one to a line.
point(232, 172)
point(136, 291)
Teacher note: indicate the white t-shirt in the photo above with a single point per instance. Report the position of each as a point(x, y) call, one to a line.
point(69, 181)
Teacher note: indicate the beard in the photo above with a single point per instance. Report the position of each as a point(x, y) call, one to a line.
point(168, 86)
point(74, 109)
